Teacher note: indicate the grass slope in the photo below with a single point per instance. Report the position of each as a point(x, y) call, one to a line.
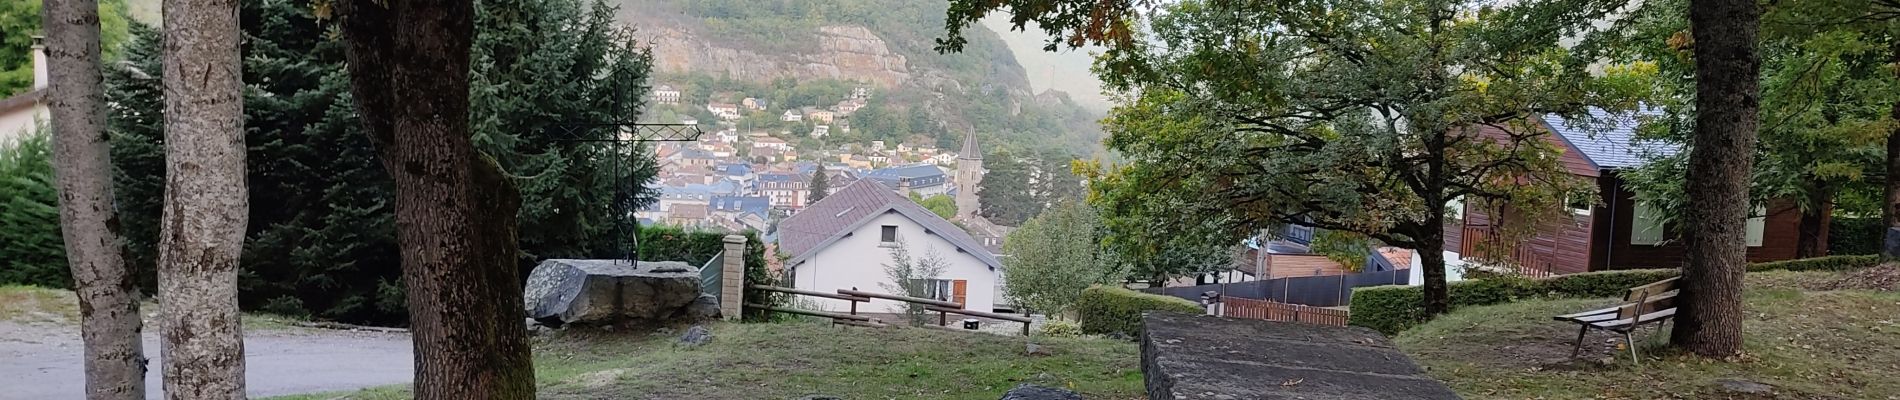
point(1819, 344)
point(791, 360)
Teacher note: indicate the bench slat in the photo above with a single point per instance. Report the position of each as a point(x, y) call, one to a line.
point(1644, 319)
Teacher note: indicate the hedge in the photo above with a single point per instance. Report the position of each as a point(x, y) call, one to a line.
point(1111, 310)
point(1391, 309)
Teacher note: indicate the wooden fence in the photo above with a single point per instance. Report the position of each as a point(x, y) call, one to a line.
point(942, 308)
point(1521, 258)
point(1275, 311)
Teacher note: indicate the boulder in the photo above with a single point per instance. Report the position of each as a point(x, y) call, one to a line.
point(704, 308)
point(696, 336)
point(605, 292)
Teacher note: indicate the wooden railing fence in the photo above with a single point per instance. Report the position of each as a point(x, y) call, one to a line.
point(1275, 311)
point(942, 308)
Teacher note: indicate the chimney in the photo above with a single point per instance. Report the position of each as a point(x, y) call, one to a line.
point(39, 63)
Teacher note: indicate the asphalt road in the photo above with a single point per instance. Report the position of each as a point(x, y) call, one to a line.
point(45, 361)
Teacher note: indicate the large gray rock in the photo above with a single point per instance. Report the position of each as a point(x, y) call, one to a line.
point(1194, 357)
point(1033, 392)
point(605, 292)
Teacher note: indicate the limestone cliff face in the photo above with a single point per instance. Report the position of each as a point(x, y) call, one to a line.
point(844, 52)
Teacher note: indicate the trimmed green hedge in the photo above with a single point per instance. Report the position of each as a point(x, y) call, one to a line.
point(1108, 309)
point(1391, 309)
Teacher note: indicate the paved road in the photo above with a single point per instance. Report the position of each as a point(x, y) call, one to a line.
point(45, 361)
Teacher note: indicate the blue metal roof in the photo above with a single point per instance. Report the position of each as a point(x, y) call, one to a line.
point(734, 169)
point(907, 171)
point(742, 204)
point(1609, 139)
point(777, 178)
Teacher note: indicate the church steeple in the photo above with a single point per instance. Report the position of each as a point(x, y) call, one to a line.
point(970, 150)
point(969, 175)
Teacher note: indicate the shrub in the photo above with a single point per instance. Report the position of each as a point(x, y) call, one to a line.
point(1855, 235)
point(1110, 310)
point(1829, 263)
point(1061, 329)
point(1391, 309)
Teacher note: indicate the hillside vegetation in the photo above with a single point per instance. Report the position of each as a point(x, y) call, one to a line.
point(941, 96)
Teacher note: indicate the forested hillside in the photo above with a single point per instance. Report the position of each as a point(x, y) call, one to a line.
point(723, 50)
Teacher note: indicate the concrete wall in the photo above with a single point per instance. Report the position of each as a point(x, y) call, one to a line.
point(858, 261)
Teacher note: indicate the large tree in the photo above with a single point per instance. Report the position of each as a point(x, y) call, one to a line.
point(206, 203)
point(1363, 116)
point(455, 208)
point(1728, 96)
point(1020, 184)
point(108, 300)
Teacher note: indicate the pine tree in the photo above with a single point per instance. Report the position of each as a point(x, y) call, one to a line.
point(820, 185)
point(322, 241)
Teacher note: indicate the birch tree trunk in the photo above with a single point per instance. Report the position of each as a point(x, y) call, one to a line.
point(455, 210)
point(1728, 98)
point(202, 231)
point(108, 301)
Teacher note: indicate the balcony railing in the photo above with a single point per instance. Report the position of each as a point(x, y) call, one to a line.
point(1478, 243)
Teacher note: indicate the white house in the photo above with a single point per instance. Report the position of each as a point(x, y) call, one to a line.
point(724, 110)
point(791, 116)
point(845, 241)
point(769, 142)
point(22, 113)
point(666, 95)
point(820, 131)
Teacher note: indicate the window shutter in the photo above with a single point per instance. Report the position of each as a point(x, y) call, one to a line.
point(959, 290)
point(1646, 225)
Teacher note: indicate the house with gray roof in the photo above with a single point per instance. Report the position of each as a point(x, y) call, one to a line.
point(845, 240)
point(1614, 229)
point(924, 179)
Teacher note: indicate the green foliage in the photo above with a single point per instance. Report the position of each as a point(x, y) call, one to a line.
point(20, 19)
point(1855, 235)
point(1391, 309)
point(669, 243)
point(322, 239)
point(1827, 91)
point(1054, 257)
point(942, 205)
point(1115, 310)
point(1061, 329)
point(991, 94)
point(1361, 116)
point(1019, 184)
point(32, 251)
point(820, 185)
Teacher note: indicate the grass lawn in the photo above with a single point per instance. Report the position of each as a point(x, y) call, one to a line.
point(1808, 344)
point(790, 360)
point(38, 305)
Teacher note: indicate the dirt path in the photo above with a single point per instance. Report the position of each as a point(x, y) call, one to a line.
point(43, 361)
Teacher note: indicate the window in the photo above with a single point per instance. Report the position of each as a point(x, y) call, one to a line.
point(942, 289)
point(889, 234)
point(1757, 221)
point(1646, 225)
point(1580, 204)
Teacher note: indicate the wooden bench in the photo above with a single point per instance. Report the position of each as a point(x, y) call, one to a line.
point(1650, 304)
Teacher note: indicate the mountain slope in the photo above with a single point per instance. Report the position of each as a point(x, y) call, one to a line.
point(884, 44)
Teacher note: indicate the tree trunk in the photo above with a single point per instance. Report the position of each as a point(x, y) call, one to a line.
point(1709, 321)
point(108, 301)
point(455, 212)
point(1891, 213)
point(206, 204)
point(1431, 253)
point(1814, 221)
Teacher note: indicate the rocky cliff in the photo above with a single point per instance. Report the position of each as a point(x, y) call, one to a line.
point(843, 52)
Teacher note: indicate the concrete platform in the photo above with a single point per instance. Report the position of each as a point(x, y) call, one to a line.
point(1199, 357)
